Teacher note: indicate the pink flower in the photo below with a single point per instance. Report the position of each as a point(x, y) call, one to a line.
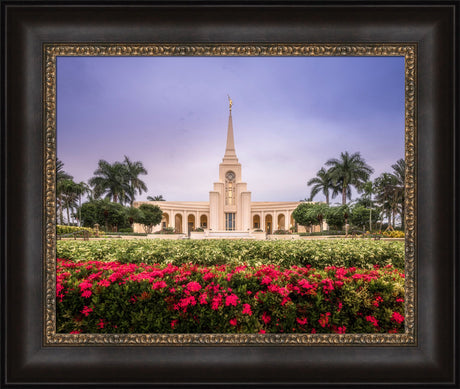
point(397, 317)
point(399, 300)
point(75, 332)
point(193, 286)
point(305, 284)
point(302, 321)
point(266, 280)
point(104, 283)
point(203, 299)
point(100, 324)
point(231, 300)
point(262, 332)
point(328, 285)
point(247, 309)
point(324, 319)
point(86, 310)
point(372, 320)
point(216, 302)
point(341, 330)
point(173, 323)
point(86, 294)
point(159, 285)
point(233, 321)
point(85, 285)
point(266, 318)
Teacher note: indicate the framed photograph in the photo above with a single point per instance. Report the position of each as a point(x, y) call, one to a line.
point(99, 112)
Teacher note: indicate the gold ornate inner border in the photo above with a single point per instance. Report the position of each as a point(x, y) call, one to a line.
point(52, 51)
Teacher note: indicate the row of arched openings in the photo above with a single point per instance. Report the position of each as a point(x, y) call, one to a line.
point(191, 223)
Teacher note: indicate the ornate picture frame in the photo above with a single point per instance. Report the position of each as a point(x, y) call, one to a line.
point(52, 51)
point(35, 354)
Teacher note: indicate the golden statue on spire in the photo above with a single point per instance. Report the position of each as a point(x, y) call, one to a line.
point(230, 102)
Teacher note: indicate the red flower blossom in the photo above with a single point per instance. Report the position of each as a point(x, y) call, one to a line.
point(173, 323)
point(247, 309)
point(105, 283)
point(372, 320)
point(86, 294)
point(216, 302)
point(203, 299)
point(159, 285)
point(397, 317)
point(193, 286)
point(266, 318)
point(302, 321)
point(231, 300)
point(86, 310)
point(233, 322)
point(324, 319)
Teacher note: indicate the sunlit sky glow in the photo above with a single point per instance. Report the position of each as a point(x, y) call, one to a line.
point(290, 115)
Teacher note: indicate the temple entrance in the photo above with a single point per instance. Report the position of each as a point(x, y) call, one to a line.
point(178, 223)
point(268, 224)
point(230, 221)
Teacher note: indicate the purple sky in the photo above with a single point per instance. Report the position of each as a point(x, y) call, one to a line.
point(290, 115)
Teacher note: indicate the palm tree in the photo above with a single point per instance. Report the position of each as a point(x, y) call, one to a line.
point(80, 189)
point(68, 197)
point(61, 176)
point(399, 171)
point(368, 191)
point(347, 171)
point(322, 183)
point(60, 173)
point(111, 180)
point(388, 195)
point(156, 198)
point(133, 170)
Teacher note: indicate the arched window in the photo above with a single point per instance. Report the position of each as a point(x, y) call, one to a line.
point(230, 188)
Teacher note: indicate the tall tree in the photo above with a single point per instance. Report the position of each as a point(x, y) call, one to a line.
point(399, 171)
point(61, 177)
point(347, 171)
point(112, 181)
point(68, 195)
point(322, 183)
point(135, 184)
point(81, 188)
point(388, 195)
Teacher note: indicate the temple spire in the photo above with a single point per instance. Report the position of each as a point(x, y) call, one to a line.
point(230, 153)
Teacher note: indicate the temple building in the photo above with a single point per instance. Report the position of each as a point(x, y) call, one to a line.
point(229, 211)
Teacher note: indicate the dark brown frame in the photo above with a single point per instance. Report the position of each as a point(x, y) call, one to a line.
point(27, 27)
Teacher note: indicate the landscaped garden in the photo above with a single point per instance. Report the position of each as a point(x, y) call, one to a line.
point(228, 286)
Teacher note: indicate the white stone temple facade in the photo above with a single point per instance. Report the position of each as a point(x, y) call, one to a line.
point(229, 211)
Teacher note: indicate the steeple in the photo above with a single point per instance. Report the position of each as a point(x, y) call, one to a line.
point(230, 154)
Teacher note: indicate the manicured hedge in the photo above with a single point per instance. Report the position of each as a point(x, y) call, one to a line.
point(362, 253)
point(110, 297)
point(62, 230)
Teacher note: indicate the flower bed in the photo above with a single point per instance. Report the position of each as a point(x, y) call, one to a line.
point(361, 253)
point(111, 297)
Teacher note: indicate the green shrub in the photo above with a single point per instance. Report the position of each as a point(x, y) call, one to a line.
point(362, 253)
point(64, 230)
